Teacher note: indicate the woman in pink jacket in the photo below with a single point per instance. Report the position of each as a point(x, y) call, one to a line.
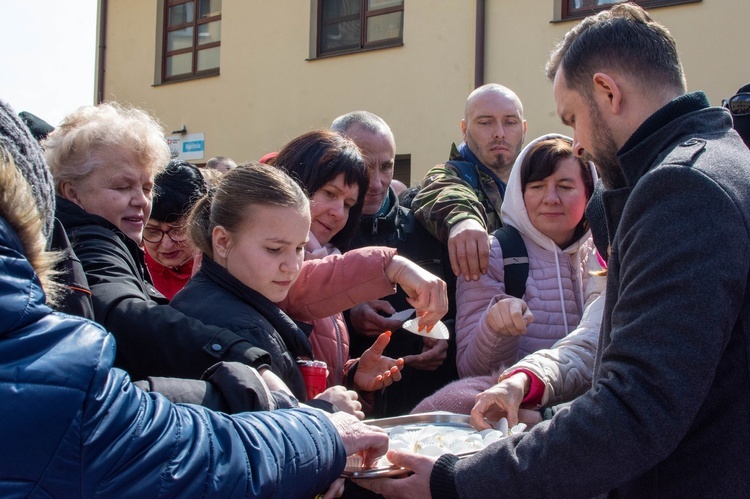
point(332, 170)
point(545, 200)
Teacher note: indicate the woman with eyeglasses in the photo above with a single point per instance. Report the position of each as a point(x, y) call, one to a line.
point(170, 256)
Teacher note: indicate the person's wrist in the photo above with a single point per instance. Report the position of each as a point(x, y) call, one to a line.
point(519, 378)
point(395, 268)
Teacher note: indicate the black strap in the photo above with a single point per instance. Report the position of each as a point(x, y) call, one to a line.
point(515, 260)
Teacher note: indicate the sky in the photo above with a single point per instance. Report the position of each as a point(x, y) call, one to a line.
point(47, 63)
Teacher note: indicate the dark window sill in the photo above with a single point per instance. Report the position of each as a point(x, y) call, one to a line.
point(357, 50)
point(182, 78)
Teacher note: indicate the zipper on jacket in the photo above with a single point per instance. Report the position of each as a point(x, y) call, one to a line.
point(339, 351)
point(374, 226)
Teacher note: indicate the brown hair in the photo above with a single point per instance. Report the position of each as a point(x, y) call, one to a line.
point(542, 160)
point(226, 204)
point(624, 39)
point(315, 158)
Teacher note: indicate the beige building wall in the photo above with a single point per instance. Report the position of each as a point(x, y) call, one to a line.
point(270, 91)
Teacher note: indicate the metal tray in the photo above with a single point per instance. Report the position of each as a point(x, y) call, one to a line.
point(447, 419)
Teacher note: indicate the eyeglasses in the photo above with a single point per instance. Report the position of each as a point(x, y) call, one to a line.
point(738, 105)
point(154, 235)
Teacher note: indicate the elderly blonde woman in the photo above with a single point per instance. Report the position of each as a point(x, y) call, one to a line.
point(103, 160)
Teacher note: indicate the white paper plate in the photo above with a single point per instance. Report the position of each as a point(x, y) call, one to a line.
point(439, 331)
point(403, 315)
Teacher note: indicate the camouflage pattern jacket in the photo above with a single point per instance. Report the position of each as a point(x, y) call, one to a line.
point(447, 197)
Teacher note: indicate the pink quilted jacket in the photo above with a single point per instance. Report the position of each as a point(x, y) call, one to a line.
point(556, 293)
point(360, 276)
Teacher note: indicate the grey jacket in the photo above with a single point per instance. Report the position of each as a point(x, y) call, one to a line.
point(668, 412)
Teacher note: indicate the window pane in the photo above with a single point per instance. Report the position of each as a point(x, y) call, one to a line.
point(209, 32)
point(179, 64)
point(181, 14)
point(208, 58)
point(382, 4)
point(385, 27)
point(180, 39)
point(208, 8)
point(337, 8)
point(587, 4)
point(340, 36)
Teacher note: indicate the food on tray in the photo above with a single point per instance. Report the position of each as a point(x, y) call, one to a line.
point(435, 440)
point(431, 434)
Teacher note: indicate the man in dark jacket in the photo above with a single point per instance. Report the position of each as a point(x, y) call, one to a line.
point(668, 412)
point(429, 364)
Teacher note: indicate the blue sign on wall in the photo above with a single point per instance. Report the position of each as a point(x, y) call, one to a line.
point(187, 147)
point(192, 146)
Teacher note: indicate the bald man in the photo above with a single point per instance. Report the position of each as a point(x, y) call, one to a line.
point(460, 204)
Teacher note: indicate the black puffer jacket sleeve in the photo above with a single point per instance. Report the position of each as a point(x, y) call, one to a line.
point(228, 387)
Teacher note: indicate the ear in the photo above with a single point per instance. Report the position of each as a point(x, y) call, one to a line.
point(607, 91)
point(463, 128)
point(222, 243)
point(69, 192)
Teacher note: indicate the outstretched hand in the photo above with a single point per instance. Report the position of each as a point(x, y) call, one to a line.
point(434, 352)
point(344, 400)
point(370, 442)
point(501, 400)
point(427, 293)
point(367, 321)
point(375, 370)
point(416, 485)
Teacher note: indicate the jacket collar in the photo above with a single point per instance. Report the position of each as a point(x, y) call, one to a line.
point(73, 218)
point(658, 134)
point(386, 223)
point(463, 153)
point(648, 141)
point(291, 332)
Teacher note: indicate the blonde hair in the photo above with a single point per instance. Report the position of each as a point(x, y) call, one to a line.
point(18, 207)
point(75, 148)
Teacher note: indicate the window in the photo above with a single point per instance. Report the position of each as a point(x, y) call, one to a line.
point(577, 9)
point(346, 26)
point(402, 168)
point(192, 39)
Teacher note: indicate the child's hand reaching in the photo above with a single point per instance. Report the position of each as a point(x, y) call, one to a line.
point(376, 371)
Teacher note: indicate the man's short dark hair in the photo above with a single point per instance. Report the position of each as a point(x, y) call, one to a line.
point(624, 39)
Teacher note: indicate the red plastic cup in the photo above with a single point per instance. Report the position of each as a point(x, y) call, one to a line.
point(314, 372)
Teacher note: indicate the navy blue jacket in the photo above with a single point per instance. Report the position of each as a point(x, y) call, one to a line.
point(75, 427)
